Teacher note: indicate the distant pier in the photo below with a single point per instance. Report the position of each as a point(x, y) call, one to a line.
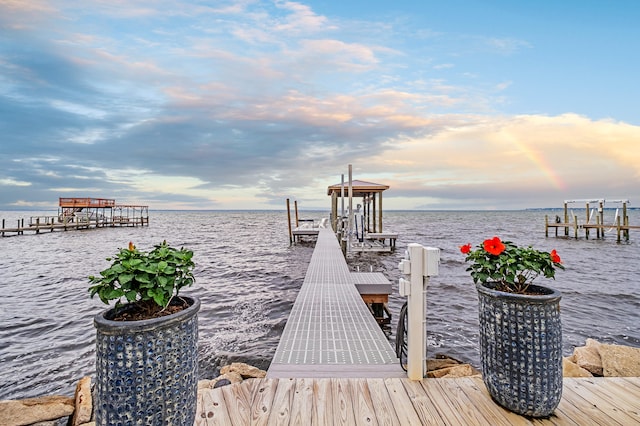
point(81, 213)
point(594, 220)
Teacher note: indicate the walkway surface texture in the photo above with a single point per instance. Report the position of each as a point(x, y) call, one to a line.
point(611, 401)
point(330, 331)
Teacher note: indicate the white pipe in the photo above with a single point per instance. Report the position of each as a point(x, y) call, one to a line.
point(350, 208)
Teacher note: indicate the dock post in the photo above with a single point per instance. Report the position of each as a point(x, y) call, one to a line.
point(546, 225)
point(421, 264)
point(618, 227)
point(625, 221)
point(575, 226)
point(586, 230)
point(566, 220)
point(295, 208)
point(289, 222)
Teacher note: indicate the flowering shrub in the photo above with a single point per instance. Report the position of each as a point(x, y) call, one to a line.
point(152, 278)
point(513, 268)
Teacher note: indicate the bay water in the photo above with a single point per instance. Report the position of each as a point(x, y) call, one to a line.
point(248, 276)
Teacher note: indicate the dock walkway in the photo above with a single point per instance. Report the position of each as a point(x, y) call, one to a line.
point(393, 401)
point(330, 331)
point(334, 365)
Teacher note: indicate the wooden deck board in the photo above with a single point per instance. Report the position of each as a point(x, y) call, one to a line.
point(394, 401)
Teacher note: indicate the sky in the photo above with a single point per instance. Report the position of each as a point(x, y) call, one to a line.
point(457, 104)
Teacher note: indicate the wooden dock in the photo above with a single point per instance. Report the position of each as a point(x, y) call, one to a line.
point(620, 222)
point(331, 331)
point(334, 366)
point(81, 213)
point(395, 401)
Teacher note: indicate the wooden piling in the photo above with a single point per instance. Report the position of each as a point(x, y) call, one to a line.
point(546, 225)
point(289, 222)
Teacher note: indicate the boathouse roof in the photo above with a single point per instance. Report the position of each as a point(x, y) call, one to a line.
point(360, 188)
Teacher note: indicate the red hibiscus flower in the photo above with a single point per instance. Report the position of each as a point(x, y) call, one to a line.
point(131, 246)
point(494, 246)
point(555, 257)
point(465, 249)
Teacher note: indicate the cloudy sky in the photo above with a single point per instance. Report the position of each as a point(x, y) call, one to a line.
point(457, 104)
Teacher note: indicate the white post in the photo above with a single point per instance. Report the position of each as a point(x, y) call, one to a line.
point(422, 263)
point(350, 221)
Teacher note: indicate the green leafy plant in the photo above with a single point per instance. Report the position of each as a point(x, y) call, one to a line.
point(152, 278)
point(513, 268)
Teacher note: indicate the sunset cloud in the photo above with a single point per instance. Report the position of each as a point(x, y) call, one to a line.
point(243, 103)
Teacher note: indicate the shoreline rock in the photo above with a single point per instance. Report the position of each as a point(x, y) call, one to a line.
point(604, 360)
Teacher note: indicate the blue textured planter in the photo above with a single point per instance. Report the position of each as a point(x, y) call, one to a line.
point(521, 348)
point(147, 371)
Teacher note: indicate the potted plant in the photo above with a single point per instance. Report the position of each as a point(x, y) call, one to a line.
point(146, 348)
point(520, 328)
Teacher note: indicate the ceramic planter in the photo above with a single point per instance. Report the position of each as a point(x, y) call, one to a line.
point(147, 371)
point(521, 348)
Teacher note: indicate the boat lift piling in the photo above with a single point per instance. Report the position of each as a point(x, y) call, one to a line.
point(620, 222)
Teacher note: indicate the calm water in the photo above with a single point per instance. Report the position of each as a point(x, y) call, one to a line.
point(248, 277)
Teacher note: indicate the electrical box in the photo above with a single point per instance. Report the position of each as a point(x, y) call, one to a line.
point(431, 258)
point(405, 267)
point(404, 287)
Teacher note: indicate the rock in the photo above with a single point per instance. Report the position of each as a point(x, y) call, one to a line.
point(571, 369)
point(221, 382)
point(84, 405)
point(34, 410)
point(246, 371)
point(437, 364)
point(231, 377)
point(460, 370)
point(588, 358)
point(619, 360)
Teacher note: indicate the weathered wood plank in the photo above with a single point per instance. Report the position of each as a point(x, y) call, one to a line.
point(264, 392)
point(382, 403)
point(631, 382)
point(404, 408)
point(583, 408)
point(302, 403)
point(364, 410)
point(601, 393)
point(214, 410)
point(470, 401)
point(322, 414)
point(423, 405)
point(238, 400)
point(342, 403)
point(282, 402)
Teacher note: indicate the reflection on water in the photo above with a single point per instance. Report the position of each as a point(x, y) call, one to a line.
point(248, 278)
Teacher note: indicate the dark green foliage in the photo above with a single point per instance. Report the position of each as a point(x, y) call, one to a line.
point(144, 277)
